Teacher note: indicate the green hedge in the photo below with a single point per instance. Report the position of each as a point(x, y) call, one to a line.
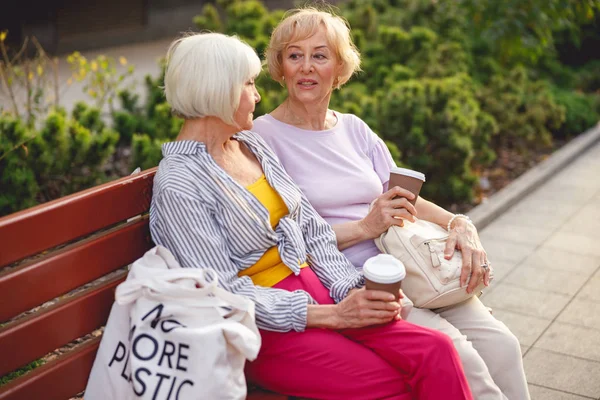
point(446, 84)
point(65, 155)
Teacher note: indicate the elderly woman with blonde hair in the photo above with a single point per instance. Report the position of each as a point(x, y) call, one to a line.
point(343, 167)
point(222, 200)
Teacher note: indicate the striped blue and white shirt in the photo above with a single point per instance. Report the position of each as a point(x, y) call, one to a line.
point(206, 219)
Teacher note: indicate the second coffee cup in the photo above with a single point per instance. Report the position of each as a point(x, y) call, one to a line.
point(384, 272)
point(407, 179)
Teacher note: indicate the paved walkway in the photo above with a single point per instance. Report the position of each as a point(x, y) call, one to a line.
point(547, 288)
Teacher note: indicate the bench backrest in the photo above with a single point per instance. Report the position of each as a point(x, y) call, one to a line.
point(66, 244)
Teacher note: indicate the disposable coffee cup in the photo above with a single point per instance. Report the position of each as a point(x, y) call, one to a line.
point(407, 179)
point(384, 272)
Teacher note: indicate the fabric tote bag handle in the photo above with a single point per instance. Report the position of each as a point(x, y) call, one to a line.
point(164, 286)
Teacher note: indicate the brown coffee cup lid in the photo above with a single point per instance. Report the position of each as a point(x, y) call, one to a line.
point(384, 268)
point(408, 172)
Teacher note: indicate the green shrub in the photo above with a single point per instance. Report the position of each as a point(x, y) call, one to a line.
point(437, 83)
point(146, 127)
point(65, 155)
point(146, 151)
point(355, 98)
point(209, 19)
point(524, 110)
point(588, 77)
point(581, 112)
point(440, 129)
point(19, 186)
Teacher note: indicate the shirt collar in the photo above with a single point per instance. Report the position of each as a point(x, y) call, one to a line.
point(182, 147)
point(193, 146)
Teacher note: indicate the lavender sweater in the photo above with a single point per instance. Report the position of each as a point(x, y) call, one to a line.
point(341, 170)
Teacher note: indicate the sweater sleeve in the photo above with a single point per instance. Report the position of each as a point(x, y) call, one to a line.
point(187, 228)
point(380, 156)
point(382, 161)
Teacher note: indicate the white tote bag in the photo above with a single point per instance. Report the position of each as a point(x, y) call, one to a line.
point(174, 334)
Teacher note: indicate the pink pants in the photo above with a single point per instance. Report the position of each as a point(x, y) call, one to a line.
point(399, 360)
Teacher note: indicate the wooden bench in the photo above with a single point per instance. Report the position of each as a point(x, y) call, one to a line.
point(72, 252)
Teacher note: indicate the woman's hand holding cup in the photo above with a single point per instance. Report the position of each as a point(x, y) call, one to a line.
point(390, 208)
point(395, 205)
point(366, 307)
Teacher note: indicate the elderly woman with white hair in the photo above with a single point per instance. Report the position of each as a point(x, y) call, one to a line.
point(343, 167)
point(222, 200)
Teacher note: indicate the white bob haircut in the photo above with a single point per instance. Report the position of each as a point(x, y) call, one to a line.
point(206, 73)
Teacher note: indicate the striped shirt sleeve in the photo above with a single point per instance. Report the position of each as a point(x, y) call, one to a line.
point(333, 268)
point(187, 228)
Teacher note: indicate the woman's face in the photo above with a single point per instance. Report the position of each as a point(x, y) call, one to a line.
point(310, 67)
point(243, 115)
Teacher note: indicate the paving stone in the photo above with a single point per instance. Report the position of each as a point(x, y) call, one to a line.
point(525, 327)
point(552, 280)
point(517, 234)
point(561, 372)
point(574, 243)
point(583, 313)
point(571, 340)
point(582, 172)
point(501, 269)
point(535, 220)
point(536, 303)
point(564, 192)
point(591, 290)
point(500, 250)
point(547, 206)
point(585, 222)
point(548, 258)
point(542, 393)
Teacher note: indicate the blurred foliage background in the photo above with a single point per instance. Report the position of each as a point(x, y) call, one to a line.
point(449, 85)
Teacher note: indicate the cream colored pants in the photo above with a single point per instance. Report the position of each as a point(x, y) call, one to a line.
point(490, 353)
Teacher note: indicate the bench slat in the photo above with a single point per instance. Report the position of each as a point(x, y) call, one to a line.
point(77, 364)
point(258, 394)
point(39, 228)
point(58, 379)
point(36, 335)
point(72, 266)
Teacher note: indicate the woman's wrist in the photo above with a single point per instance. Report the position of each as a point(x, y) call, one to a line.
point(348, 234)
point(323, 316)
point(456, 220)
point(364, 232)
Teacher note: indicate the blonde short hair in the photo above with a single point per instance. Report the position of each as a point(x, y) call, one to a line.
point(206, 73)
point(300, 24)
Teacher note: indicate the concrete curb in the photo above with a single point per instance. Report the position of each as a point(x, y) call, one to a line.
point(485, 213)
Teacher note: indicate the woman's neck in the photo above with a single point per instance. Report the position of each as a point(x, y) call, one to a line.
point(314, 117)
point(212, 131)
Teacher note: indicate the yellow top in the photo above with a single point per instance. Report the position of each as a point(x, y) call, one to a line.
point(269, 269)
